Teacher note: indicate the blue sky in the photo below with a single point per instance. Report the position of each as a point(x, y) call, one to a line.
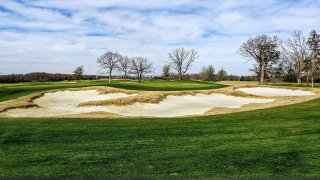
point(58, 35)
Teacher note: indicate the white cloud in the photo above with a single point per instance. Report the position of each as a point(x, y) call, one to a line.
point(57, 35)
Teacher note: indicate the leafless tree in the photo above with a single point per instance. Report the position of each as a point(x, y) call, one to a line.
point(182, 59)
point(314, 45)
point(140, 66)
point(124, 66)
point(295, 53)
point(109, 61)
point(204, 73)
point(222, 74)
point(207, 73)
point(78, 73)
point(166, 72)
point(264, 50)
point(210, 73)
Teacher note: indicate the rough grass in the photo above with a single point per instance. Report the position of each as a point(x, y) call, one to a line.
point(278, 142)
point(12, 91)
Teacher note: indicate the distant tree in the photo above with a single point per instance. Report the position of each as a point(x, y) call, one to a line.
point(41, 77)
point(231, 77)
point(264, 50)
point(242, 78)
point(207, 73)
point(140, 66)
point(204, 73)
point(124, 66)
point(294, 55)
point(210, 73)
point(222, 74)
point(182, 59)
point(78, 73)
point(109, 62)
point(314, 45)
point(166, 72)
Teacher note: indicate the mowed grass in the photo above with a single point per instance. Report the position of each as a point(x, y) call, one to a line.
point(12, 91)
point(277, 142)
point(316, 85)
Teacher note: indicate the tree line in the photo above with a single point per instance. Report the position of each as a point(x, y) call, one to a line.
point(181, 60)
point(290, 59)
point(42, 77)
point(138, 66)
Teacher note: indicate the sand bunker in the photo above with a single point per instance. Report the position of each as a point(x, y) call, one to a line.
point(63, 103)
point(174, 106)
point(266, 91)
point(66, 103)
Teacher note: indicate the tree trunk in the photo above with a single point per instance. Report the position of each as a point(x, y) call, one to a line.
point(262, 73)
point(299, 72)
point(138, 76)
point(298, 77)
point(299, 80)
point(312, 74)
point(110, 76)
point(308, 78)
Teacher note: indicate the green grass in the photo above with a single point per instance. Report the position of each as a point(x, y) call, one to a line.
point(12, 91)
point(277, 142)
point(266, 143)
point(316, 85)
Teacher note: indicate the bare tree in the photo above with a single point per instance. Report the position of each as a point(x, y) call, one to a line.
point(182, 59)
point(166, 72)
point(210, 73)
point(295, 53)
point(140, 66)
point(124, 66)
point(314, 44)
point(264, 50)
point(109, 61)
point(307, 68)
point(78, 72)
point(222, 74)
point(204, 73)
point(207, 73)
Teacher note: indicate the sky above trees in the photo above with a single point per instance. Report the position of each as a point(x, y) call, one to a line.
point(58, 35)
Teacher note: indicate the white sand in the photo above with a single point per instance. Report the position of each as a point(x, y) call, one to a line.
point(66, 102)
point(266, 91)
point(174, 106)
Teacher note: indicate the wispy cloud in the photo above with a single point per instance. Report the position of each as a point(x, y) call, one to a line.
point(64, 34)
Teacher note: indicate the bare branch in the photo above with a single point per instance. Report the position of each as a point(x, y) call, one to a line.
point(182, 59)
point(109, 61)
point(140, 66)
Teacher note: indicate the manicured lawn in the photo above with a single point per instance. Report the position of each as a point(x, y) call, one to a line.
point(266, 143)
point(12, 91)
point(316, 85)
